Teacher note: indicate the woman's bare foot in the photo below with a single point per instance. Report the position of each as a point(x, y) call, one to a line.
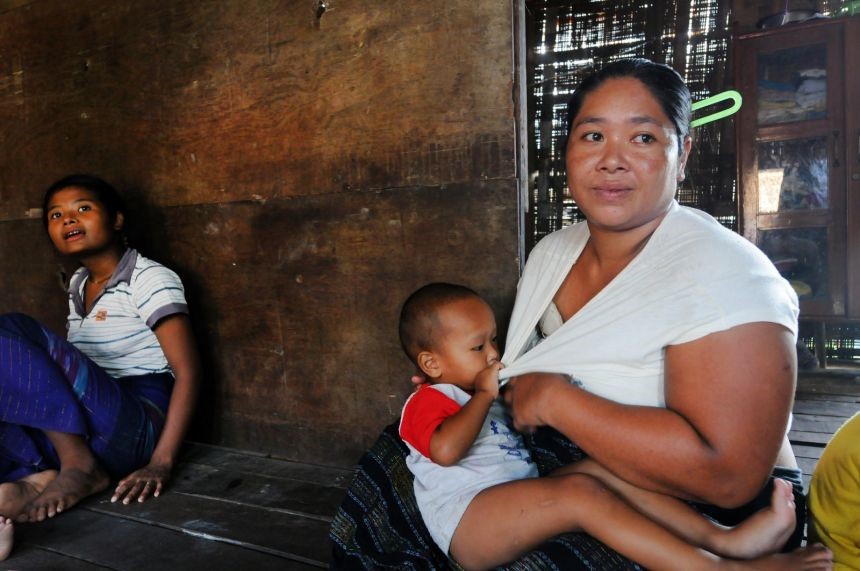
point(7, 532)
point(813, 558)
point(69, 487)
point(763, 533)
point(15, 495)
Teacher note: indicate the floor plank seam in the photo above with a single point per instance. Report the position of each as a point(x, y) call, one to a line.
point(251, 547)
point(269, 456)
point(270, 476)
point(317, 517)
point(802, 442)
point(68, 556)
point(212, 537)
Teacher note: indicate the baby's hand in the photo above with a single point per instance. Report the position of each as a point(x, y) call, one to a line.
point(487, 381)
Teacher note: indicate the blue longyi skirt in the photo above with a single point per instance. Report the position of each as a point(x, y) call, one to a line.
point(46, 383)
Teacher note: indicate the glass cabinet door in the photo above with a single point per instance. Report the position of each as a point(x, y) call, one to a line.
point(792, 85)
point(793, 181)
point(801, 256)
point(790, 143)
point(797, 218)
point(792, 175)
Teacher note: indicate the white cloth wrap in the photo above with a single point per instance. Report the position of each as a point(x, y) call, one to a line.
point(693, 278)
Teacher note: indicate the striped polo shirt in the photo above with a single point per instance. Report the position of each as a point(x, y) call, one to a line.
point(117, 332)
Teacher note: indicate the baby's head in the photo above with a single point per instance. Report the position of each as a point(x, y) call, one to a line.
point(449, 332)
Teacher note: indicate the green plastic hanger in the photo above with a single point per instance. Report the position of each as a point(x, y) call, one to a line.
point(713, 100)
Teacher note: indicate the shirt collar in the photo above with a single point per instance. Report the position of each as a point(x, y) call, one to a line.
point(122, 273)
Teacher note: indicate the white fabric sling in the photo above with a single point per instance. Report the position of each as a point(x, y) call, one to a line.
point(693, 278)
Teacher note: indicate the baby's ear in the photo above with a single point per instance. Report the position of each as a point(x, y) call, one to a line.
point(429, 364)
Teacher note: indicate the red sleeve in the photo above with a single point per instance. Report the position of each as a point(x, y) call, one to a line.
point(423, 413)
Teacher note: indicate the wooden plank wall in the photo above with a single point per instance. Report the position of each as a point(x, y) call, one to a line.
point(302, 169)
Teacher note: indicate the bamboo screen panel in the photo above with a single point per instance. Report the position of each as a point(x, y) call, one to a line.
point(568, 39)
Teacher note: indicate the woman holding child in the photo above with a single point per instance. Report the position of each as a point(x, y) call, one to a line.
point(678, 334)
point(116, 398)
point(476, 486)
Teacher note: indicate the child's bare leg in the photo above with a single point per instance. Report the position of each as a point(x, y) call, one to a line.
point(15, 495)
point(80, 476)
point(6, 537)
point(763, 533)
point(505, 521)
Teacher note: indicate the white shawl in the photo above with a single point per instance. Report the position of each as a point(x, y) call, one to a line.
point(693, 277)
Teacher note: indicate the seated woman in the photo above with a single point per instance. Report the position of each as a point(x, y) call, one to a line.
point(76, 413)
point(671, 336)
point(677, 334)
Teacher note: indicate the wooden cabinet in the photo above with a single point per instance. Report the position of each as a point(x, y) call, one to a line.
point(798, 133)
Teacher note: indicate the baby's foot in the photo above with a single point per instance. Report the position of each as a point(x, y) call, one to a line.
point(15, 495)
point(69, 487)
point(6, 533)
point(765, 532)
point(813, 558)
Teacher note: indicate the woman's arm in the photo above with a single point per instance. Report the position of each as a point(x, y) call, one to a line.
point(728, 397)
point(177, 341)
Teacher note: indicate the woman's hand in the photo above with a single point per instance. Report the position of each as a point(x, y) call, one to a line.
point(529, 397)
point(142, 483)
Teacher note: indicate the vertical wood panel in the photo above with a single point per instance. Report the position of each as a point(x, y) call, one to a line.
point(301, 300)
point(302, 175)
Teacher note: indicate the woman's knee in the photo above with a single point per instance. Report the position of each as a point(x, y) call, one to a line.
point(14, 317)
point(18, 324)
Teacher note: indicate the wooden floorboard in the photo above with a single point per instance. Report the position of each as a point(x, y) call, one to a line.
point(262, 465)
point(259, 490)
point(824, 400)
point(825, 408)
point(257, 528)
point(816, 424)
point(122, 544)
point(819, 438)
point(224, 510)
point(30, 557)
